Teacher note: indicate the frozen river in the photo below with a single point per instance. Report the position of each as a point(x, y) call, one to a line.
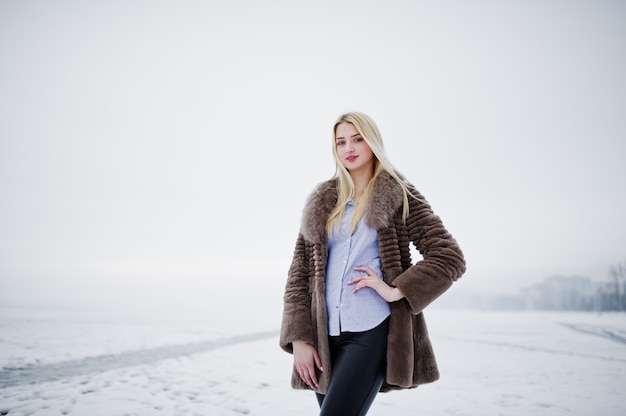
point(90, 362)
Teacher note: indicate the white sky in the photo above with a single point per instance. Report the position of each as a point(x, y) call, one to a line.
point(171, 144)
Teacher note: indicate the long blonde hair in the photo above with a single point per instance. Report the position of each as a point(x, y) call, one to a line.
point(369, 131)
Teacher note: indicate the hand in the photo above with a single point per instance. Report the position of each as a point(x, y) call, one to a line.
point(305, 359)
point(372, 280)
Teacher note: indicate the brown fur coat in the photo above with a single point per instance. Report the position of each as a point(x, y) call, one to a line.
point(410, 358)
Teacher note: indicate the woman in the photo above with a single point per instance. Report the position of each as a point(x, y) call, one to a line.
point(353, 300)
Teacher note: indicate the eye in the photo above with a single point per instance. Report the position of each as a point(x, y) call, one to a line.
point(341, 142)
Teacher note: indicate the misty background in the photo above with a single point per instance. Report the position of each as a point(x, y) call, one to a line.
point(160, 152)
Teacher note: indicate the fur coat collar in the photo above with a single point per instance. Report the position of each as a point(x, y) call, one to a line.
point(386, 200)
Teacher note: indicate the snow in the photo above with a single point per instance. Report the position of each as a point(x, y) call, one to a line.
point(97, 362)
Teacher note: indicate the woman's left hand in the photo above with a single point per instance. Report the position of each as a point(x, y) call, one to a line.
point(372, 280)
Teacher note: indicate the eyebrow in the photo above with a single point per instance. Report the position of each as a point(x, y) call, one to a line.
point(354, 135)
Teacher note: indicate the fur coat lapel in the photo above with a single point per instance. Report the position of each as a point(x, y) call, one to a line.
point(386, 199)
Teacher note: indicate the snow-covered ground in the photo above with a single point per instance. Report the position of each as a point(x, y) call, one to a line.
point(95, 362)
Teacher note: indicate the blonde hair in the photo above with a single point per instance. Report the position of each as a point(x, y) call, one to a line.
point(366, 127)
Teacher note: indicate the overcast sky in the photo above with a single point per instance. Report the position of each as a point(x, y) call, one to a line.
point(152, 147)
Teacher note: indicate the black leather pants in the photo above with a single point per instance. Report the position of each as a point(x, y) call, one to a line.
point(358, 371)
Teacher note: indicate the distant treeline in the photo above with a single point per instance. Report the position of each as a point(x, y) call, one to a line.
point(558, 293)
point(574, 293)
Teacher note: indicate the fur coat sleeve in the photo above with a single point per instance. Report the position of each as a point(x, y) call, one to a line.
point(442, 263)
point(297, 323)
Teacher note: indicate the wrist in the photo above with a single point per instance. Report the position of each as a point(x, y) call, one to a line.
point(397, 294)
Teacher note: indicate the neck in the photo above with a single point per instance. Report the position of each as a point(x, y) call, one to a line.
point(361, 180)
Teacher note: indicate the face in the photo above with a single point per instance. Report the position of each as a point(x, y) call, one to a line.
point(354, 153)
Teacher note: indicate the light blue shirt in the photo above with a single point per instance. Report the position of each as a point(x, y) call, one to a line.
point(348, 311)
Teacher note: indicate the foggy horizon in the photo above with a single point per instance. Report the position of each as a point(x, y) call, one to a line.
point(160, 151)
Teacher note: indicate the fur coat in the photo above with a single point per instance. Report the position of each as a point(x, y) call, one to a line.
point(410, 358)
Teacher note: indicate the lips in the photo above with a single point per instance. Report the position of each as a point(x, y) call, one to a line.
point(351, 158)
